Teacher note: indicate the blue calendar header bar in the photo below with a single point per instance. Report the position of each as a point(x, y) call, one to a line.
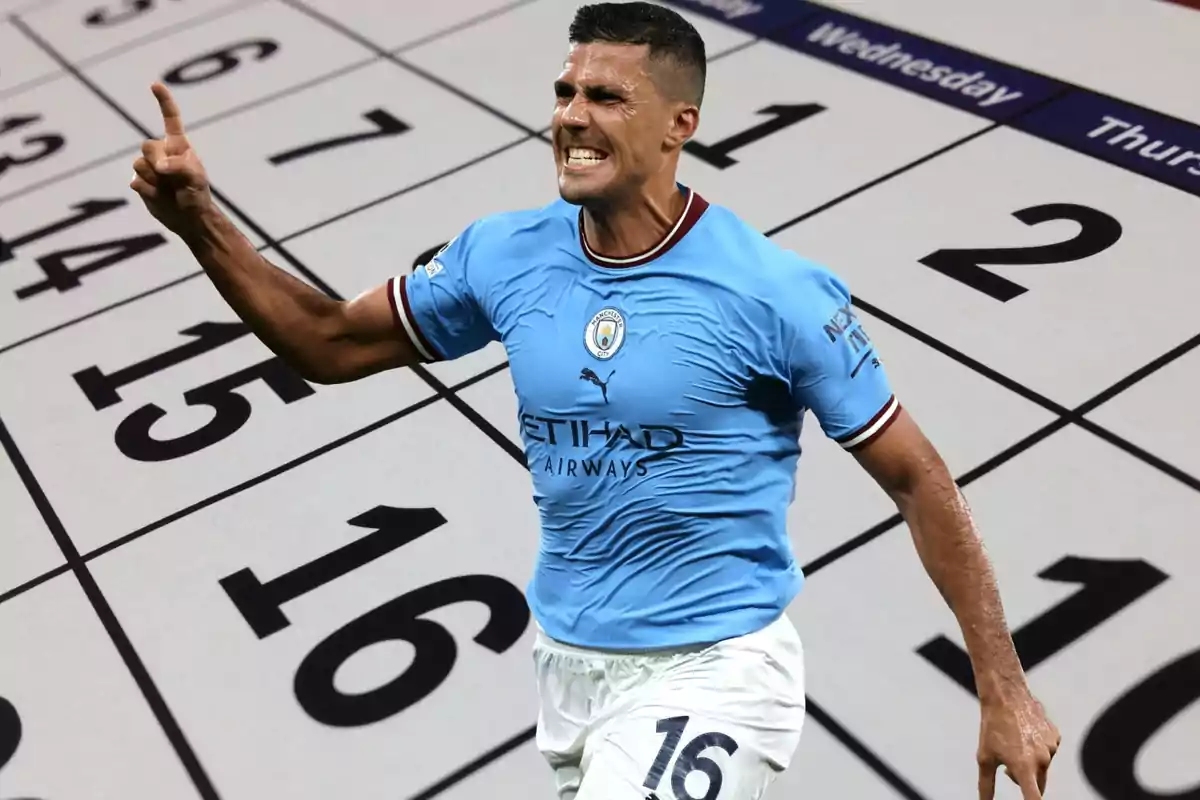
point(757, 17)
point(1150, 144)
point(946, 74)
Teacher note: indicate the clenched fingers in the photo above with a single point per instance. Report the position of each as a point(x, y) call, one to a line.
point(145, 171)
point(143, 187)
point(156, 156)
point(154, 151)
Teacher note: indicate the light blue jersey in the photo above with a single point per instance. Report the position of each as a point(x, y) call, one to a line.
point(660, 403)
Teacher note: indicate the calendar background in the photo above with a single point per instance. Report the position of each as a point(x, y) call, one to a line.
point(195, 598)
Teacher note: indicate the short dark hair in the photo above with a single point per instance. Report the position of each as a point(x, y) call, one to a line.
point(669, 36)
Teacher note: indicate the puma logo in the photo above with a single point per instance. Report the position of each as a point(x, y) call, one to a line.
point(591, 377)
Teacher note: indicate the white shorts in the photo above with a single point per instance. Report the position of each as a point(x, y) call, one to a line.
point(713, 722)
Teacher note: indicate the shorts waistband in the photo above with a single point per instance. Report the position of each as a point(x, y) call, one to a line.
point(546, 642)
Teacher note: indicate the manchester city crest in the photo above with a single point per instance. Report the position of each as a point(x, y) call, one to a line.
point(605, 333)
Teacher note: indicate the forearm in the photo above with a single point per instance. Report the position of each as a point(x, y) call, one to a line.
point(288, 315)
point(953, 555)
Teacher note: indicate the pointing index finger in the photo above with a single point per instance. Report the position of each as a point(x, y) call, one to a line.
point(172, 119)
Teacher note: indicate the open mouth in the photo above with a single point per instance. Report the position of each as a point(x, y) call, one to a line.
point(583, 157)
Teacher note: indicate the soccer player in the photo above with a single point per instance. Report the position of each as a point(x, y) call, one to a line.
point(664, 355)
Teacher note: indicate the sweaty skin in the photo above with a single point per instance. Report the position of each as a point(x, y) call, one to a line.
point(609, 98)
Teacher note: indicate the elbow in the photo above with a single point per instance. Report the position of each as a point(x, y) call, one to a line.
point(323, 367)
point(320, 363)
point(309, 354)
point(316, 376)
point(910, 470)
point(308, 367)
point(919, 484)
point(347, 342)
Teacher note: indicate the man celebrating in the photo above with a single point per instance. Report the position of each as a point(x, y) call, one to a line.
point(664, 355)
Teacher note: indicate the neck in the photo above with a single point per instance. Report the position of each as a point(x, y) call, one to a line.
point(631, 226)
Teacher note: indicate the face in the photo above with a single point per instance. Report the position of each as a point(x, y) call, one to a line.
point(612, 129)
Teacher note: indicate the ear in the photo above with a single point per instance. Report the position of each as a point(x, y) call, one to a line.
point(684, 121)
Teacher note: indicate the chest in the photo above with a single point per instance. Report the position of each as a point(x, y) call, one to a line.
point(649, 354)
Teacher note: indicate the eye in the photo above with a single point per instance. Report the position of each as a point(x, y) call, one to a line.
point(604, 95)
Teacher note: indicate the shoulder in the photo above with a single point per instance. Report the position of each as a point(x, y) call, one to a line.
point(511, 234)
point(800, 289)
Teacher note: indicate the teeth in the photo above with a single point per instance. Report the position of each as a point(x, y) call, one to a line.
point(583, 155)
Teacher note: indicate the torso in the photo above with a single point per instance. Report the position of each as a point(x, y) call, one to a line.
point(661, 438)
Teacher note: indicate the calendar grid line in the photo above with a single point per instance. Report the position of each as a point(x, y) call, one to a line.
point(1138, 375)
point(963, 481)
point(473, 766)
point(376, 201)
point(112, 626)
point(1072, 415)
point(250, 483)
point(127, 151)
point(32, 83)
point(101, 311)
point(879, 766)
point(124, 47)
point(458, 27)
point(1140, 453)
point(33, 583)
point(366, 43)
point(925, 159)
point(1075, 416)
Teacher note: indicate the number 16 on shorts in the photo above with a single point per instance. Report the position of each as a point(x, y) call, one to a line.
point(715, 723)
point(679, 757)
point(688, 760)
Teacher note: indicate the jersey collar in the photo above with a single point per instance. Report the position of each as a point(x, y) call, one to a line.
point(693, 208)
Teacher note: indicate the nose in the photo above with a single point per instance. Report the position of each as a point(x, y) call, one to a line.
point(574, 114)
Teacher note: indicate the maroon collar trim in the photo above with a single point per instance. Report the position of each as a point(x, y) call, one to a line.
point(692, 211)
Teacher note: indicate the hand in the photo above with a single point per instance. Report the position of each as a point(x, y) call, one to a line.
point(1017, 733)
point(169, 176)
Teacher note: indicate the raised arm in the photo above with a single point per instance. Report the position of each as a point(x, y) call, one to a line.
point(324, 339)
